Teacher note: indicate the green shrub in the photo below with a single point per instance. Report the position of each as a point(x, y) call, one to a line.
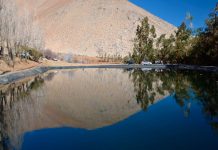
point(126, 59)
point(35, 55)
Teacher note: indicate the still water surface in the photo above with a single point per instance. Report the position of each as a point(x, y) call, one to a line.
point(111, 109)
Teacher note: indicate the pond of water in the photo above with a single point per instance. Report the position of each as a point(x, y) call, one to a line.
point(111, 109)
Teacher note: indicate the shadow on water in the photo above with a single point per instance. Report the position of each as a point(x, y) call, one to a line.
point(150, 87)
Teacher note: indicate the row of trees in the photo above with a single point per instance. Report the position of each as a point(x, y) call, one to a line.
point(17, 30)
point(185, 46)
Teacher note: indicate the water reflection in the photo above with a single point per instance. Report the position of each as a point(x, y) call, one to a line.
point(183, 86)
point(18, 109)
point(57, 99)
point(147, 86)
point(97, 98)
point(104, 97)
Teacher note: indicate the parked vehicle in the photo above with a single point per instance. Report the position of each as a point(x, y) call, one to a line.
point(158, 62)
point(129, 62)
point(55, 59)
point(146, 63)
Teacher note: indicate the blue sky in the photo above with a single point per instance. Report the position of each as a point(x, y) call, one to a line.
point(174, 11)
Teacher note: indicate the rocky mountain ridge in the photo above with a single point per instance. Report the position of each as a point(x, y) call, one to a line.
point(91, 27)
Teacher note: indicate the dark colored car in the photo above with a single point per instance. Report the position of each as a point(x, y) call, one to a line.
point(129, 62)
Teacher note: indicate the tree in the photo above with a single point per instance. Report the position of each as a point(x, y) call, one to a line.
point(182, 43)
point(8, 25)
point(189, 19)
point(17, 30)
point(164, 48)
point(205, 47)
point(184, 46)
point(143, 43)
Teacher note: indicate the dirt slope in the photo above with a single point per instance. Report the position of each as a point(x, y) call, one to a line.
point(90, 27)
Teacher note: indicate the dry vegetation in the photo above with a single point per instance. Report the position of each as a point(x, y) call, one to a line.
point(18, 32)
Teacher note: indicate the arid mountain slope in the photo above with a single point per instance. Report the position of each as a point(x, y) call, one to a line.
point(91, 27)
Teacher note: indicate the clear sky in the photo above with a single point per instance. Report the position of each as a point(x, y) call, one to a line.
point(174, 11)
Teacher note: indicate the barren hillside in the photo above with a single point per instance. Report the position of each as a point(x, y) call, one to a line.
point(90, 27)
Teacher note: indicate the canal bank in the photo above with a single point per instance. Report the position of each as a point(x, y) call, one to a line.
point(14, 76)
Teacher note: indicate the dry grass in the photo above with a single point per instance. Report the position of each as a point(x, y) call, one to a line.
point(26, 64)
point(19, 65)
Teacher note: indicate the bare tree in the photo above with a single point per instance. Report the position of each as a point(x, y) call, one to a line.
point(17, 30)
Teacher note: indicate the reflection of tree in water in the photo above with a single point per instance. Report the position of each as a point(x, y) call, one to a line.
point(152, 84)
point(205, 87)
point(143, 83)
point(182, 85)
point(50, 76)
point(11, 110)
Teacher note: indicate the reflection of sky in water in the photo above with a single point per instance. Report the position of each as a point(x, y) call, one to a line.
point(162, 126)
point(102, 109)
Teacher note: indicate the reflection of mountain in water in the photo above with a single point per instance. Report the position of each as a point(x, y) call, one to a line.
point(91, 99)
point(94, 98)
point(88, 99)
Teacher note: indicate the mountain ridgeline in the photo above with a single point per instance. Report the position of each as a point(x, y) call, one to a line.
point(91, 27)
